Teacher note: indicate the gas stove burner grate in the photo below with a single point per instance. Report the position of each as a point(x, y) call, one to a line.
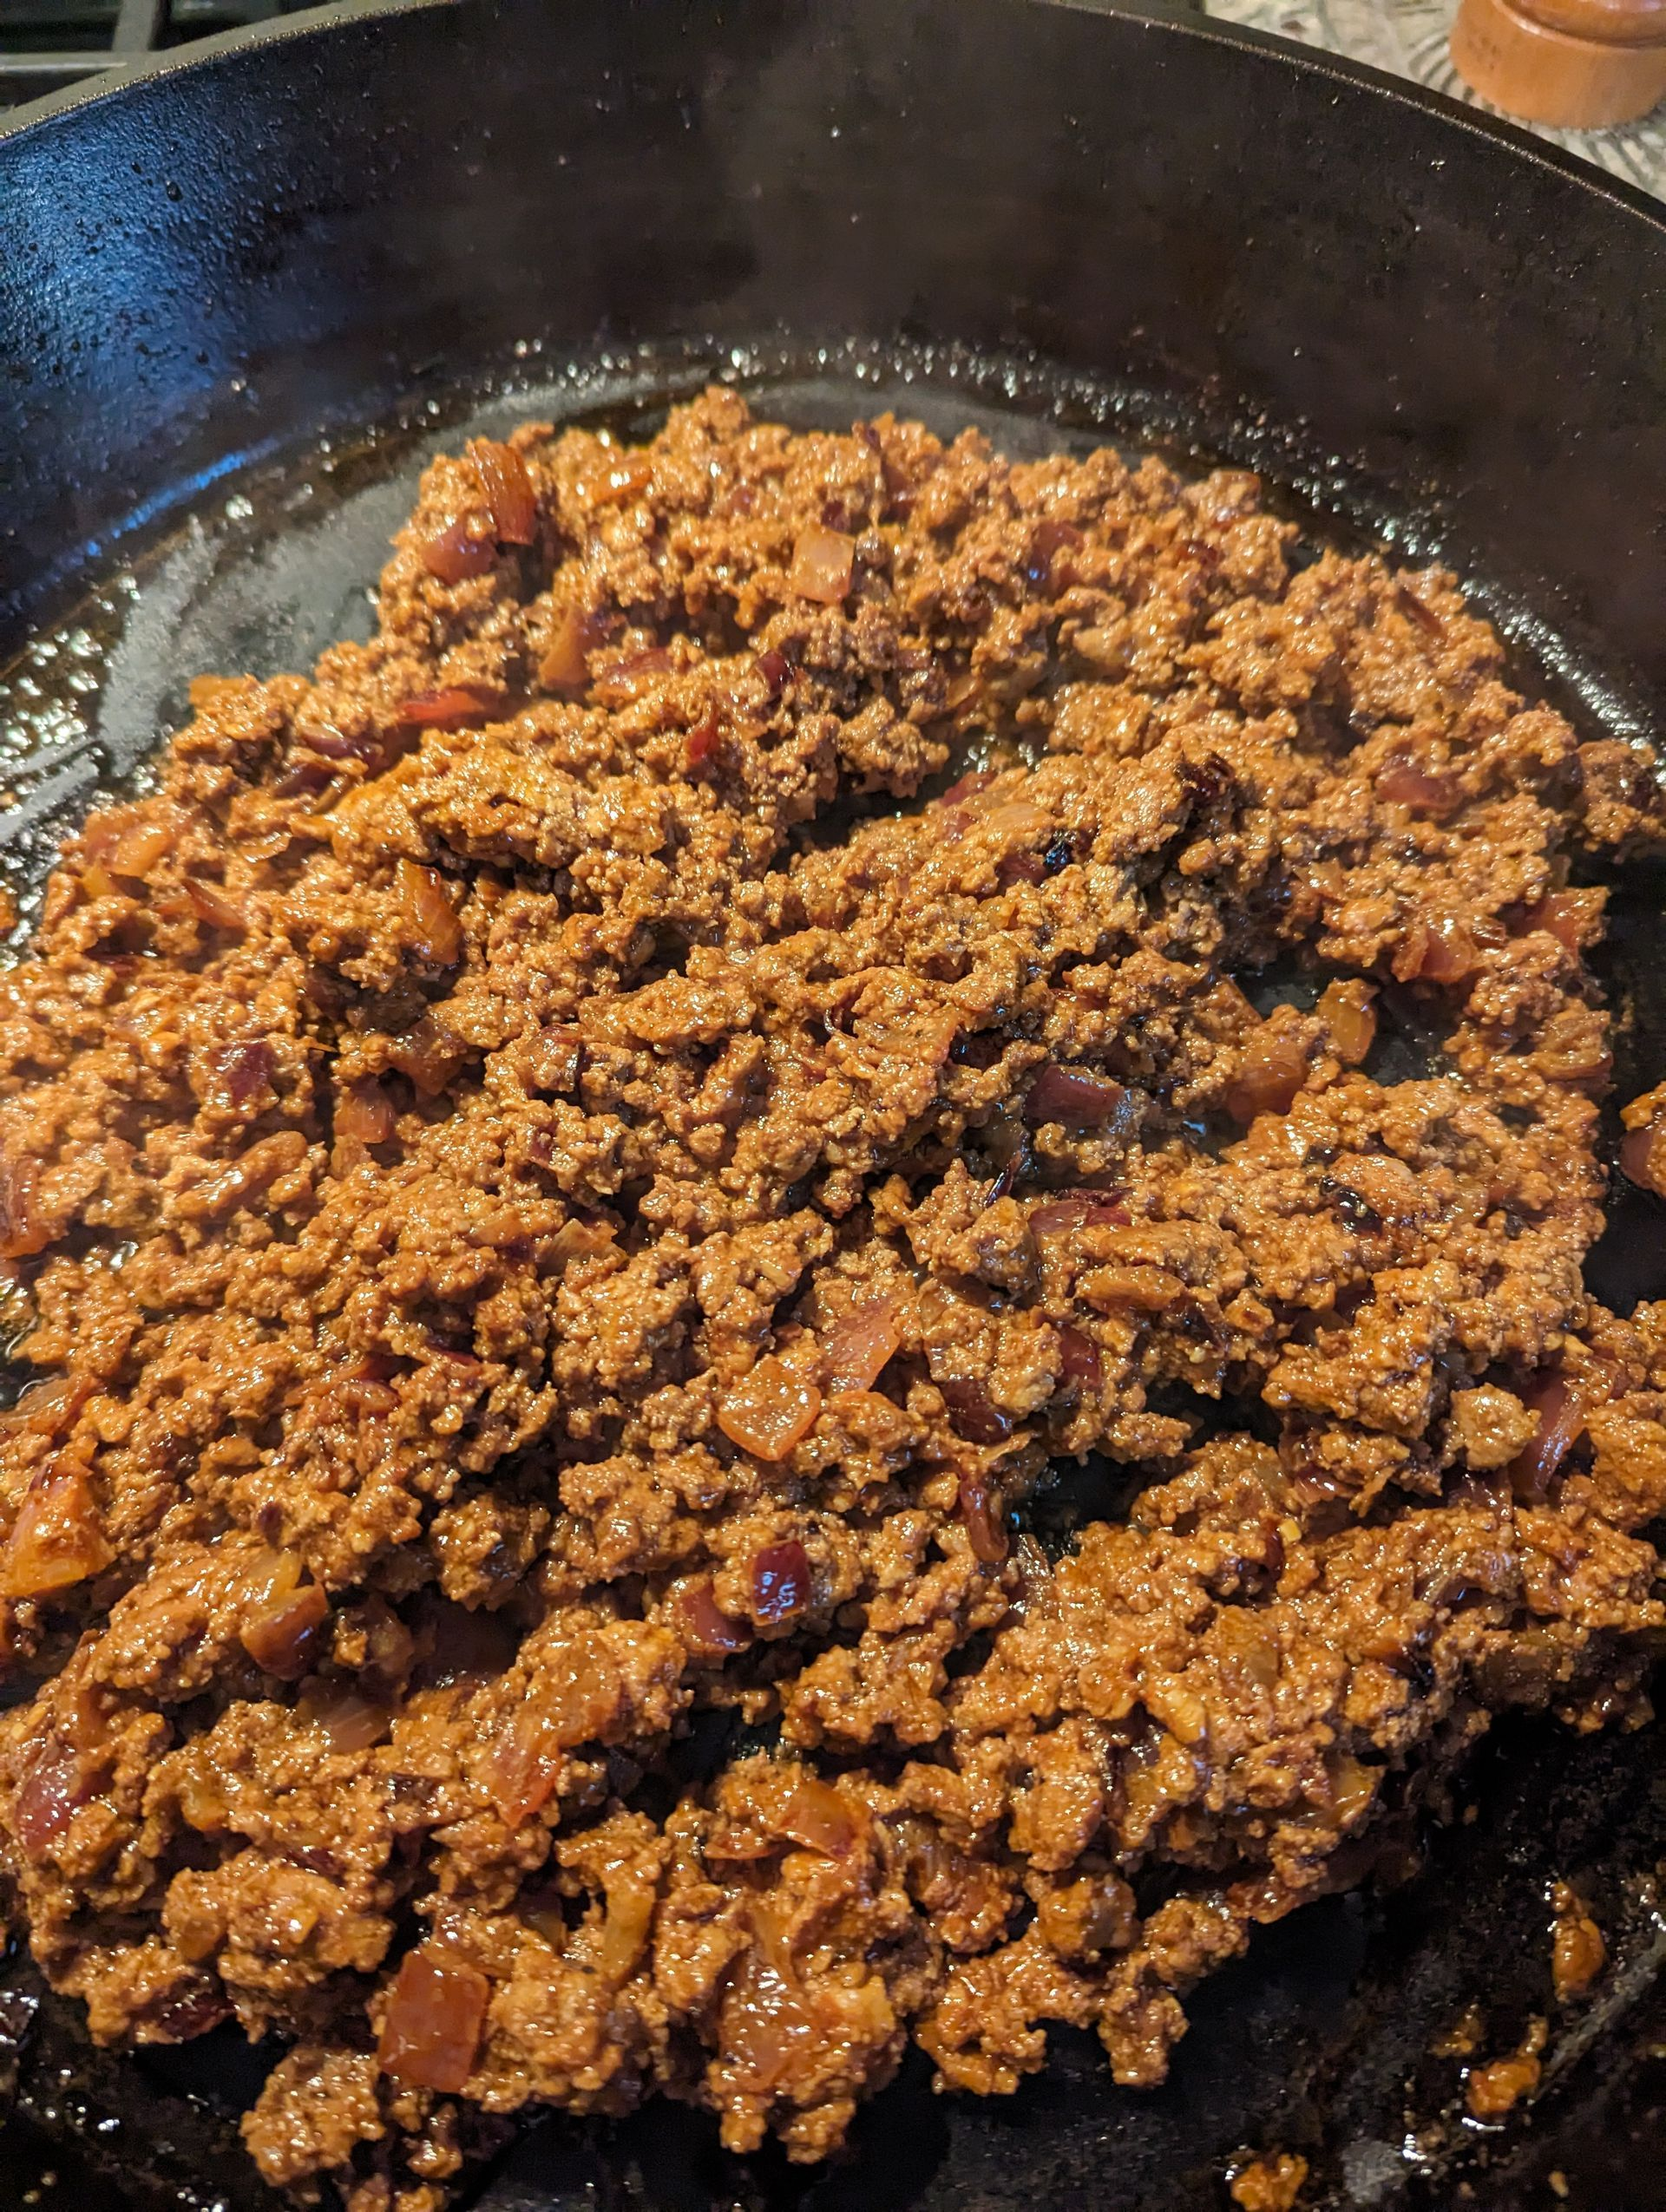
point(46, 45)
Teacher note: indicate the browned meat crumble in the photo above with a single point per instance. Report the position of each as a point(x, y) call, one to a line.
point(561, 1191)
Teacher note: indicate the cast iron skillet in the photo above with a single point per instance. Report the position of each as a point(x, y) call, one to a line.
point(240, 299)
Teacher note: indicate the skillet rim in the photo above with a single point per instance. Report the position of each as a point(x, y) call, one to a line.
point(1153, 15)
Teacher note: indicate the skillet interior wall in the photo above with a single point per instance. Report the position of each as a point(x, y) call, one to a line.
point(1387, 300)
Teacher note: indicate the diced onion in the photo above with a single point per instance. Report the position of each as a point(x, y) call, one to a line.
point(1346, 1007)
point(1273, 1070)
point(57, 1783)
point(1071, 1096)
point(435, 929)
point(508, 490)
point(1403, 784)
point(979, 1507)
point(1441, 950)
point(972, 1412)
point(522, 1766)
point(364, 1112)
point(348, 1719)
point(1079, 1358)
point(282, 1633)
point(770, 1410)
point(244, 1070)
point(1047, 541)
point(818, 1817)
point(456, 551)
point(211, 905)
point(24, 1229)
point(56, 1540)
point(429, 1054)
point(48, 1408)
point(704, 742)
point(823, 562)
point(705, 1627)
point(1565, 915)
point(781, 1582)
point(766, 2022)
point(1561, 1424)
point(855, 1353)
point(625, 1934)
point(565, 666)
point(451, 708)
point(1078, 1209)
point(431, 2029)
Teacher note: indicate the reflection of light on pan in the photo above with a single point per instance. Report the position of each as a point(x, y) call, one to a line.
point(57, 791)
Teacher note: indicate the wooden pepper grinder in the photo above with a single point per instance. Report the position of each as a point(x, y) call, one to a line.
point(1577, 64)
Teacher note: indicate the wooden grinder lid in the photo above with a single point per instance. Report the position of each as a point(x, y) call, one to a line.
point(1577, 64)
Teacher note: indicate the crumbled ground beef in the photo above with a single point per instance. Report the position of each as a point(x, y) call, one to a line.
point(563, 1185)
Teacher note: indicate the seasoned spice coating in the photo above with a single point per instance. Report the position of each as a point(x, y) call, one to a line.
point(569, 1182)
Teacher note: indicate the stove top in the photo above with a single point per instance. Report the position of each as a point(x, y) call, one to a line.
point(46, 44)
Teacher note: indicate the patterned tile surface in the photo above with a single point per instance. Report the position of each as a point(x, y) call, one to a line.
point(1409, 39)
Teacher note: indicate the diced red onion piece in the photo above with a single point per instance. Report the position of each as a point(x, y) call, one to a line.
point(709, 1632)
point(1275, 1069)
point(766, 2024)
point(858, 1351)
point(56, 1541)
point(211, 905)
point(818, 1817)
point(1418, 610)
point(23, 1230)
point(823, 562)
point(1561, 914)
point(348, 1720)
point(435, 931)
point(364, 1112)
point(245, 1068)
point(631, 670)
point(48, 1408)
point(521, 1768)
point(431, 2030)
point(455, 553)
point(57, 1783)
point(1561, 1424)
point(972, 1413)
point(1071, 1096)
point(1441, 950)
point(565, 666)
point(969, 785)
point(1404, 784)
point(979, 1507)
point(770, 1410)
point(449, 708)
point(781, 1582)
point(1637, 1157)
point(704, 742)
point(508, 490)
point(283, 1639)
point(1079, 1360)
point(1047, 541)
point(1346, 1008)
point(1079, 1209)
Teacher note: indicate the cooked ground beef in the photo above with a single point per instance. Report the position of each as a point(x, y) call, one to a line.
point(563, 1193)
